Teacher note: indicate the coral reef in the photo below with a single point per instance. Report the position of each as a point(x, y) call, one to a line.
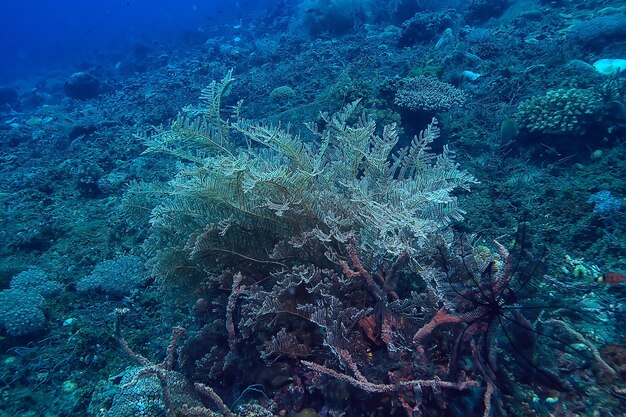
point(307, 221)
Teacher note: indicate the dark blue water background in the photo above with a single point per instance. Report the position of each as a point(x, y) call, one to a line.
point(37, 36)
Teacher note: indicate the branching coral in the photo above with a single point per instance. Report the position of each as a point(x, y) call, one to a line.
point(561, 111)
point(177, 393)
point(281, 193)
point(428, 94)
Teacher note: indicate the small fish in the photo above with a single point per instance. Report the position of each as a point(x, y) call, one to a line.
point(611, 278)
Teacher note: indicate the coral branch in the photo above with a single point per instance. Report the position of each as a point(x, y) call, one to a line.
point(440, 318)
point(208, 391)
point(360, 272)
point(594, 350)
point(347, 358)
point(177, 333)
point(506, 272)
point(237, 288)
point(381, 388)
point(118, 314)
point(487, 398)
point(160, 370)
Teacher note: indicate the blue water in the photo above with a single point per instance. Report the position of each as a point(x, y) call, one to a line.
point(38, 35)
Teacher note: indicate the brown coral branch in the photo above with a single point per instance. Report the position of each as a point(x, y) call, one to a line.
point(360, 271)
point(177, 333)
point(505, 274)
point(118, 313)
point(381, 388)
point(208, 391)
point(237, 288)
point(442, 317)
point(380, 285)
point(487, 398)
point(160, 370)
point(582, 339)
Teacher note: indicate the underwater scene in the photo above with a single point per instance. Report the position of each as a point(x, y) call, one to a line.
point(313, 208)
